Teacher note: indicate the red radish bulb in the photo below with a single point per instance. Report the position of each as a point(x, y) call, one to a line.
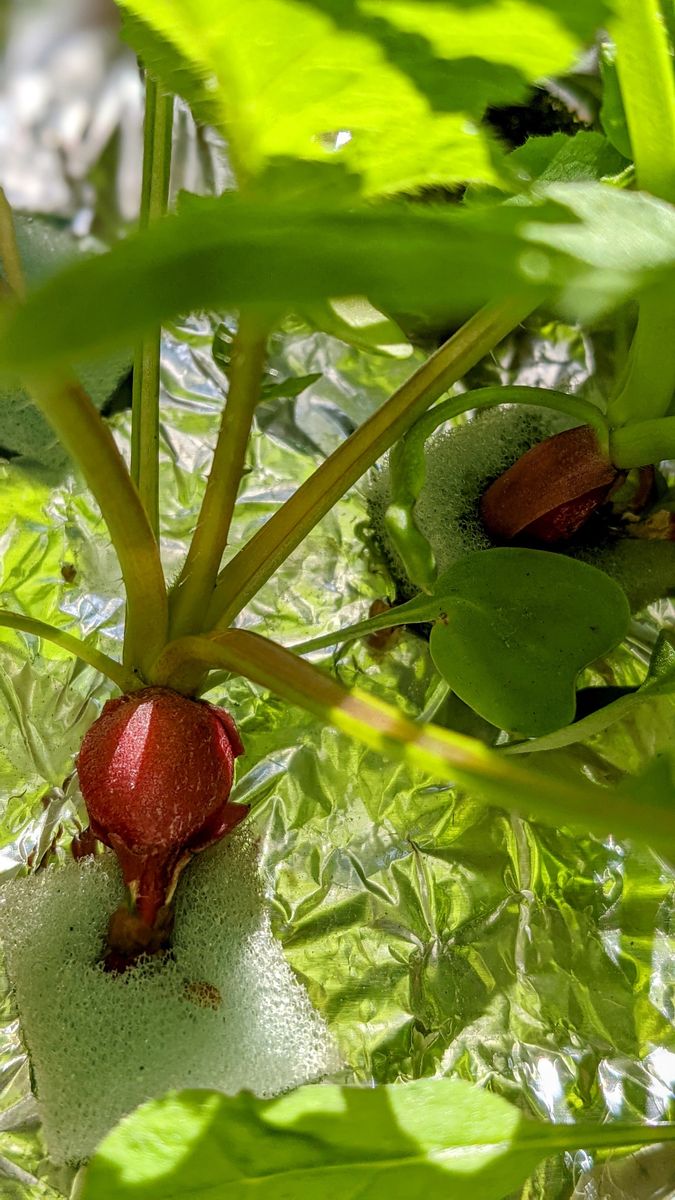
point(551, 491)
point(155, 772)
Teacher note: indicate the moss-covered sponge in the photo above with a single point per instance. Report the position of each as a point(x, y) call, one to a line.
point(224, 1011)
point(461, 460)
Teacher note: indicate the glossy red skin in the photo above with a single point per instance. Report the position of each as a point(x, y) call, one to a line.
point(551, 491)
point(156, 772)
point(559, 524)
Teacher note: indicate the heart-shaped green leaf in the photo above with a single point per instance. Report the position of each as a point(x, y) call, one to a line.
point(512, 629)
point(518, 627)
point(660, 681)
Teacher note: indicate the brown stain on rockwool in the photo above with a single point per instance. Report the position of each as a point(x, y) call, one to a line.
point(203, 994)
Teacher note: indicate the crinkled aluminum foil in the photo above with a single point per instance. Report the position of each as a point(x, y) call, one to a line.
point(434, 934)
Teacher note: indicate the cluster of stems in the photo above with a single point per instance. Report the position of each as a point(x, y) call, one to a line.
point(174, 636)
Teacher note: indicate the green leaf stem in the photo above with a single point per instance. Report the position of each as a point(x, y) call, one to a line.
point(90, 443)
point(88, 440)
point(644, 64)
point(145, 399)
point(241, 578)
point(126, 680)
point(641, 443)
point(444, 754)
point(192, 592)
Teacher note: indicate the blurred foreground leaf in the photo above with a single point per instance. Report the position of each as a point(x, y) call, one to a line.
point(593, 244)
point(437, 1138)
point(46, 248)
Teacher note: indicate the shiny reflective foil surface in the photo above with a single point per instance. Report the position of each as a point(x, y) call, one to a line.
point(433, 934)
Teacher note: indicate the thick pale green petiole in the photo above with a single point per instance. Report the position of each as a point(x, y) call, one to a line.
point(88, 440)
point(443, 753)
point(643, 442)
point(645, 390)
point(645, 68)
point(192, 592)
point(90, 443)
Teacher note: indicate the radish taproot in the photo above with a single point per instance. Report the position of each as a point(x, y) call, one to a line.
point(551, 490)
point(155, 772)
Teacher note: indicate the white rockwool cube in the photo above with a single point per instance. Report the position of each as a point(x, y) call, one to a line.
point(222, 1009)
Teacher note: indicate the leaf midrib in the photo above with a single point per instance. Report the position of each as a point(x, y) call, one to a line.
point(541, 1143)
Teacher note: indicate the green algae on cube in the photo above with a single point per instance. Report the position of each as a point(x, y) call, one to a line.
point(461, 461)
point(222, 1010)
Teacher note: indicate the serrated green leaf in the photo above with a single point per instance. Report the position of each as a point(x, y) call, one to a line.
point(318, 1142)
point(613, 229)
point(408, 81)
point(584, 158)
point(615, 232)
point(520, 626)
point(437, 1138)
